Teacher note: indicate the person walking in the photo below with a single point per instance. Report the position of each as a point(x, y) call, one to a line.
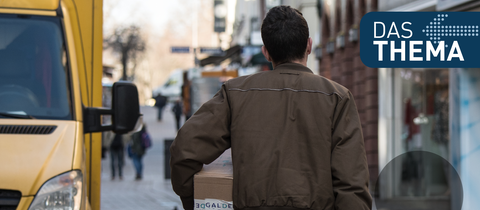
point(177, 111)
point(117, 156)
point(296, 137)
point(140, 142)
point(186, 98)
point(160, 102)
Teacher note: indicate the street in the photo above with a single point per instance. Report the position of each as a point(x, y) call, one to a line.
point(154, 191)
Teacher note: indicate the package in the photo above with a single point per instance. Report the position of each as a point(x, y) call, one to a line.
point(213, 184)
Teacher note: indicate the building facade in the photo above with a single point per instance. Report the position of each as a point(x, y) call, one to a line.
point(340, 61)
point(249, 15)
point(402, 110)
point(432, 110)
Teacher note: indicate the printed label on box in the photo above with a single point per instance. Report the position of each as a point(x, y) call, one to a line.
point(213, 204)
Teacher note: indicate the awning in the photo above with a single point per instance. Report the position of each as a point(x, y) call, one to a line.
point(233, 52)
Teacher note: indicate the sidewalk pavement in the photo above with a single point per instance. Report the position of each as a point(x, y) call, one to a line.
point(153, 191)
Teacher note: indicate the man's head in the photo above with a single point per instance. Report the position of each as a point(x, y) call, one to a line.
point(285, 35)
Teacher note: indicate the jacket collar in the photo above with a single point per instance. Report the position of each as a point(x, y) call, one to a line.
point(292, 66)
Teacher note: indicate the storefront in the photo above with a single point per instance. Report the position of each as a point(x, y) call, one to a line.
point(465, 132)
point(414, 116)
point(431, 110)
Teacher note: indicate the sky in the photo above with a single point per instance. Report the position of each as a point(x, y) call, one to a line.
point(154, 17)
point(152, 13)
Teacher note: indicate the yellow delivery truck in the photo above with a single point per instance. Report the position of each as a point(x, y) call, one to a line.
point(50, 99)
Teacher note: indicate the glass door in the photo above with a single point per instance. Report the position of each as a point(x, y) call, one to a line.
point(421, 105)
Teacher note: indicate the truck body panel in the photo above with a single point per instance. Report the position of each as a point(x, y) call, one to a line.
point(27, 12)
point(28, 160)
point(88, 42)
point(28, 4)
point(36, 158)
point(25, 202)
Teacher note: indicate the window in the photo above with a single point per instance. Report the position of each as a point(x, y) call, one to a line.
point(33, 67)
point(423, 105)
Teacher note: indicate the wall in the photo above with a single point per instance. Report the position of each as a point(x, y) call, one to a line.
point(245, 10)
point(465, 132)
point(384, 5)
point(345, 67)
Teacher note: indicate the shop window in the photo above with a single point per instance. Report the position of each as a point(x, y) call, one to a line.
point(424, 127)
point(420, 100)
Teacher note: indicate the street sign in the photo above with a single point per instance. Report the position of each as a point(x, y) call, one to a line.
point(180, 49)
point(211, 50)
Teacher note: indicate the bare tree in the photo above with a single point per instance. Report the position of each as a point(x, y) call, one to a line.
point(129, 44)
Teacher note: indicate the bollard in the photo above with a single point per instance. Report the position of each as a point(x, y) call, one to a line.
point(168, 143)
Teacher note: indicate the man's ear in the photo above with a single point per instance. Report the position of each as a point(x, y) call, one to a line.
point(309, 45)
point(265, 53)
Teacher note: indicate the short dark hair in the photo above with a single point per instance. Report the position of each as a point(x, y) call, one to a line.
point(285, 34)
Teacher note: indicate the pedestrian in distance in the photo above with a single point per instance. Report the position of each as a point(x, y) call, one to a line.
point(186, 96)
point(117, 156)
point(160, 102)
point(140, 142)
point(296, 137)
point(177, 111)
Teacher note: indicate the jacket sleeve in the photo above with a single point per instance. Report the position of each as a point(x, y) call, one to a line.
point(349, 162)
point(202, 139)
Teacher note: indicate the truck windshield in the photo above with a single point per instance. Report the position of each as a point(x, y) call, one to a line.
point(33, 68)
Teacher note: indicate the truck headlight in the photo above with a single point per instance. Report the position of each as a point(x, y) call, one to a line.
point(63, 192)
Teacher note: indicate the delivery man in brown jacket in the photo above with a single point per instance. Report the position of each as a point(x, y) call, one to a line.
point(296, 137)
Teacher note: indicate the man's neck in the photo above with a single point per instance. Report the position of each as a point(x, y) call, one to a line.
point(300, 61)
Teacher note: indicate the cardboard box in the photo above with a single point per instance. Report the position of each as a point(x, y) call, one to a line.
point(213, 184)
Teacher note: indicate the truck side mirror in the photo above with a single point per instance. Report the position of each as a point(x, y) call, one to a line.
point(125, 107)
point(125, 111)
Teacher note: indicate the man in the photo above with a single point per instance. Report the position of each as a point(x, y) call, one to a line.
point(160, 102)
point(296, 137)
point(117, 156)
point(186, 98)
point(140, 142)
point(177, 111)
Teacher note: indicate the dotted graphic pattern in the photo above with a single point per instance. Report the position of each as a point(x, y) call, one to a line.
point(437, 31)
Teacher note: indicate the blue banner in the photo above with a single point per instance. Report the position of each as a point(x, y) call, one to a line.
point(211, 50)
point(420, 39)
point(180, 49)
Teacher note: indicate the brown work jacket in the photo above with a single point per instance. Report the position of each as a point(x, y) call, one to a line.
point(296, 143)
